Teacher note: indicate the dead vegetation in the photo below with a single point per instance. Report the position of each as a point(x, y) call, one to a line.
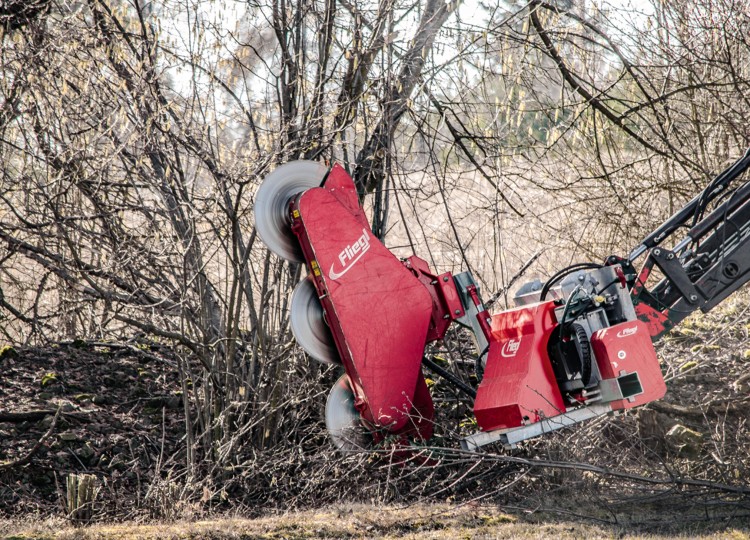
point(435, 521)
point(121, 421)
point(151, 336)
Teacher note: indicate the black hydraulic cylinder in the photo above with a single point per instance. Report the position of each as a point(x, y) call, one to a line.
point(717, 187)
point(721, 213)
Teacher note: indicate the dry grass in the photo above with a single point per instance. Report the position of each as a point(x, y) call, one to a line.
point(438, 521)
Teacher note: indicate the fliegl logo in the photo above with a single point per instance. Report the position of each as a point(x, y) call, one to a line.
point(510, 348)
point(350, 255)
point(625, 332)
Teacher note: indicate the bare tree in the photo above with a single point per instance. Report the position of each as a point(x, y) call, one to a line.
point(127, 185)
point(133, 138)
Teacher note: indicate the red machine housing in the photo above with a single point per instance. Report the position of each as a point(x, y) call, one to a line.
point(625, 354)
point(381, 311)
point(519, 386)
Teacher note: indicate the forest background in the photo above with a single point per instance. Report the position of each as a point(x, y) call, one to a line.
point(487, 136)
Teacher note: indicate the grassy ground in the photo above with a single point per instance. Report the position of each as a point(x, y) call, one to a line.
point(425, 521)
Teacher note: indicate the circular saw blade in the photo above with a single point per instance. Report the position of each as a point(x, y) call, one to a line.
point(309, 326)
point(272, 200)
point(343, 421)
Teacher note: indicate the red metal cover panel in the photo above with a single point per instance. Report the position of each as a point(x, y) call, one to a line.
point(627, 348)
point(519, 385)
point(340, 185)
point(377, 309)
point(446, 304)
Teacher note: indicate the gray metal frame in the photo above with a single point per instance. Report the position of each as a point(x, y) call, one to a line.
point(511, 437)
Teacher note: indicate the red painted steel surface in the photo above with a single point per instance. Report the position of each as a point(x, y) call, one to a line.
point(627, 348)
point(378, 311)
point(340, 185)
point(446, 304)
point(519, 384)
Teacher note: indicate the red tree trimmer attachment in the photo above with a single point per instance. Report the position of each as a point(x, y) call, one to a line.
point(380, 311)
point(550, 363)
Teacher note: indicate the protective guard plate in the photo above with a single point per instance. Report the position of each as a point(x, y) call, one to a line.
point(519, 385)
point(272, 204)
point(309, 326)
point(377, 309)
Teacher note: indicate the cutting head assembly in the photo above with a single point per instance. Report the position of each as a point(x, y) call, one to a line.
point(576, 348)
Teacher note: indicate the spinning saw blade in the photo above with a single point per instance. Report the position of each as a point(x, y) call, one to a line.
point(343, 420)
point(272, 204)
point(309, 326)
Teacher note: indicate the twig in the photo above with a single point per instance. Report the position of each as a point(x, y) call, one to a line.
point(586, 467)
point(25, 459)
point(681, 410)
point(515, 278)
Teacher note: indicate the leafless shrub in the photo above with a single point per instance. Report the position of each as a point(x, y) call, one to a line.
point(131, 155)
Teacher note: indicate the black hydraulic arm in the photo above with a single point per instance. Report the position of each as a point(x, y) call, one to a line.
point(709, 264)
point(682, 216)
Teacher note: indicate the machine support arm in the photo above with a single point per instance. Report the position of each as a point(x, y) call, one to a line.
point(708, 265)
point(714, 189)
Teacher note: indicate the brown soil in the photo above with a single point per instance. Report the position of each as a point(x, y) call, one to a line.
point(120, 418)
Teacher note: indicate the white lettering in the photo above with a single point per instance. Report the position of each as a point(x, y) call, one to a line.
point(510, 348)
point(625, 332)
point(347, 256)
